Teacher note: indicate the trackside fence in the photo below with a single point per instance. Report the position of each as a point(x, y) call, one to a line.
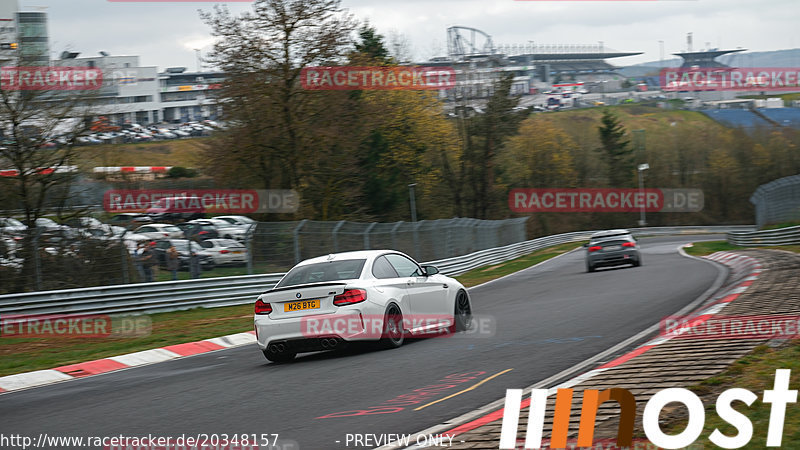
point(237, 290)
point(781, 236)
point(777, 201)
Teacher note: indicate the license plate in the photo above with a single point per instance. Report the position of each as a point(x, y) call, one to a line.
point(236, 252)
point(612, 247)
point(300, 306)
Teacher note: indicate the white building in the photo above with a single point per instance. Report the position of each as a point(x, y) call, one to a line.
point(133, 93)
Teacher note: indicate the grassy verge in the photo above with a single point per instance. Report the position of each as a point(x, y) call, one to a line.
point(709, 247)
point(756, 373)
point(27, 354)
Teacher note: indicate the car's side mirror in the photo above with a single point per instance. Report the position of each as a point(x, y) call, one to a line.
point(430, 270)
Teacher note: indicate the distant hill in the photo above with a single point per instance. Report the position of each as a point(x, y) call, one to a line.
point(776, 58)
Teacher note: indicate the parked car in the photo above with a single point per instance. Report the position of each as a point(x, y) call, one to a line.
point(183, 246)
point(200, 229)
point(239, 221)
point(159, 231)
point(225, 229)
point(225, 251)
point(93, 228)
point(11, 226)
point(129, 220)
point(176, 209)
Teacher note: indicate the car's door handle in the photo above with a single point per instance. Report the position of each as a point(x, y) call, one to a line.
point(444, 286)
point(410, 282)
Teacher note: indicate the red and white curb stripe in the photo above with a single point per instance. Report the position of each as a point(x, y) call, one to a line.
point(132, 169)
point(744, 271)
point(70, 372)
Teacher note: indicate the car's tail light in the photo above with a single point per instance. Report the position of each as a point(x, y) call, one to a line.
point(349, 297)
point(224, 251)
point(629, 244)
point(595, 248)
point(263, 308)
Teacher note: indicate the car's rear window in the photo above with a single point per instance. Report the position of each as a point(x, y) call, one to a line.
point(612, 242)
point(347, 269)
point(627, 237)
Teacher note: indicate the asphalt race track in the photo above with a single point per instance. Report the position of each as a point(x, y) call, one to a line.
point(546, 319)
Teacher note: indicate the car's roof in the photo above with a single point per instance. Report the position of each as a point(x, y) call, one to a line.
point(606, 233)
point(361, 254)
point(222, 241)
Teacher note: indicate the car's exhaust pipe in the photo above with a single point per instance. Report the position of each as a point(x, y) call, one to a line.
point(277, 348)
point(329, 343)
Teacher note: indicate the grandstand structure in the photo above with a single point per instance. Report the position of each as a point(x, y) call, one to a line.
point(478, 61)
point(706, 58)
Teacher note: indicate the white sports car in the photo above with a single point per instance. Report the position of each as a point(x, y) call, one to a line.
point(374, 295)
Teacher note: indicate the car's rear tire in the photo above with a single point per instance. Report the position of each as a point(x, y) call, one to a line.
point(393, 334)
point(589, 268)
point(462, 314)
point(637, 263)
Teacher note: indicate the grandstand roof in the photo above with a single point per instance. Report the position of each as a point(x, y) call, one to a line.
point(705, 58)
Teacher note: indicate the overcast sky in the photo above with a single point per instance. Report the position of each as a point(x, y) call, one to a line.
point(164, 34)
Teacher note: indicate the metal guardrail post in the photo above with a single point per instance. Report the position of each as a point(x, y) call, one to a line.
point(366, 235)
point(416, 238)
point(37, 258)
point(394, 233)
point(296, 233)
point(126, 278)
point(249, 237)
point(335, 236)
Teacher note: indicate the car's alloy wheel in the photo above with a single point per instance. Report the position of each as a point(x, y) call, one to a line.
point(393, 334)
point(463, 312)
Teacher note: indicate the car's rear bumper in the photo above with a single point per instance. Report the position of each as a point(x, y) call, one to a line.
point(308, 331)
point(613, 258)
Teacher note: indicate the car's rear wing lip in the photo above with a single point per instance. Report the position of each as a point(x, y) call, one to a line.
point(300, 286)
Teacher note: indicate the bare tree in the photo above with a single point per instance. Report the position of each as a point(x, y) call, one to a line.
point(400, 47)
point(38, 129)
point(263, 51)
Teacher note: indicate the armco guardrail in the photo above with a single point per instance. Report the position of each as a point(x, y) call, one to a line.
point(462, 264)
point(780, 236)
point(228, 291)
point(141, 298)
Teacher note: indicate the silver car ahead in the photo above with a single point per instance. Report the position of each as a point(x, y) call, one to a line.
point(612, 248)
